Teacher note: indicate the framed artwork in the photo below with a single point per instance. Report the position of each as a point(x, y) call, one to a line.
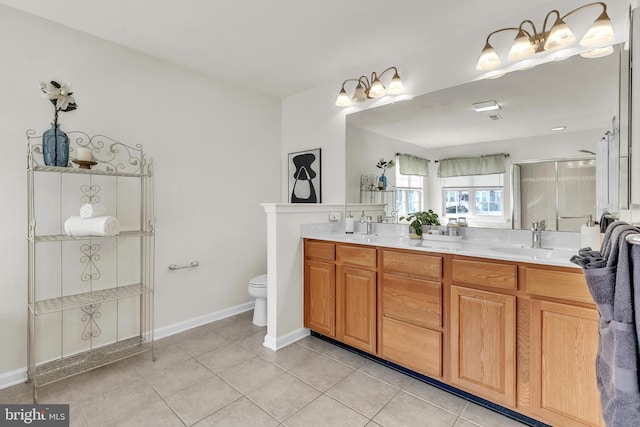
point(304, 177)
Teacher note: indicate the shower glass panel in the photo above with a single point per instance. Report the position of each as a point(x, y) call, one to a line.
point(562, 193)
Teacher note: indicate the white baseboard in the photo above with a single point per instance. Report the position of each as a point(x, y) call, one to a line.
point(283, 341)
point(17, 376)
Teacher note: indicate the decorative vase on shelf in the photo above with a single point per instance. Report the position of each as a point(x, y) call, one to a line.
point(55, 146)
point(382, 183)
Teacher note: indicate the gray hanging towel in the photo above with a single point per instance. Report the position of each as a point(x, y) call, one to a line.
point(615, 288)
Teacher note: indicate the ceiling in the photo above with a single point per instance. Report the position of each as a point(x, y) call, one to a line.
point(283, 47)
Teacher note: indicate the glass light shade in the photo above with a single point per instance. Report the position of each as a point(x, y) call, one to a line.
point(395, 86)
point(560, 36)
point(598, 52)
point(343, 99)
point(600, 33)
point(522, 47)
point(377, 89)
point(359, 95)
point(489, 59)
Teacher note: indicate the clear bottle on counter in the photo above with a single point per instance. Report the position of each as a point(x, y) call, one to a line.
point(462, 221)
point(452, 227)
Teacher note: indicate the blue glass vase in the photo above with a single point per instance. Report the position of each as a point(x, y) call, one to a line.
point(382, 182)
point(55, 146)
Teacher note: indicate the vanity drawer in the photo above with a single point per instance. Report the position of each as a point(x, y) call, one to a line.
point(356, 255)
point(319, 250)
point(416, 348)
point(413, 301)
point(413, 265)
point(485, 273)
point(557, 284)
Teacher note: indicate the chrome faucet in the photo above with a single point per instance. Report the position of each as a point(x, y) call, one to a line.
point(369, 221)
point(537, 227)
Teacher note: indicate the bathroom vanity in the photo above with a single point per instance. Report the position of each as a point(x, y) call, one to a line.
point(515, 327)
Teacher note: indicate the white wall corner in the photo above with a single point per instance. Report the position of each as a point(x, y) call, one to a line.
point(276, 344)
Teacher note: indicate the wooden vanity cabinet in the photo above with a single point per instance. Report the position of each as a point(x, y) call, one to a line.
point(564, 343)
point(356, 296)
point(410, 310)
point(320, 287)
point(483, 329)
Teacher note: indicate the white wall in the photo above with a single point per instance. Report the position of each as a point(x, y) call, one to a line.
point(216, 150)
point(364, 150)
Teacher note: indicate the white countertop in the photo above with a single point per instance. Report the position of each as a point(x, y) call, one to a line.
point(475, 248)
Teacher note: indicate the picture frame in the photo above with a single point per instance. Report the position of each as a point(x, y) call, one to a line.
point(304, 176)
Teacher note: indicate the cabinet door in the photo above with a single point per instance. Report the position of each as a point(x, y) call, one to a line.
point(483, 345)
point(356, 294)
point(320, 297)
point(564, 343)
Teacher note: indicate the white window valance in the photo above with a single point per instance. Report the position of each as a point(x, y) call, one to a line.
point(483, 165)
point(412, 165)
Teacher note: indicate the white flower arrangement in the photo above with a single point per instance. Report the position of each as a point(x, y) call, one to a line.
point(60, 96)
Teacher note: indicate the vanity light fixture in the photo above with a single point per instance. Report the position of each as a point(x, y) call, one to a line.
point(598, 39)
point(485, 106)
point(370, 88)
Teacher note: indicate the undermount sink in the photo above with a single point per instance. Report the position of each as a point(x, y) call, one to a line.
point(535, 253)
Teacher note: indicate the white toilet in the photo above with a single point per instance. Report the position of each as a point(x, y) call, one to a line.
point(258, 290)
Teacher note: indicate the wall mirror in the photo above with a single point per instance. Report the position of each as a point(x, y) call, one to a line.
point(577, 94)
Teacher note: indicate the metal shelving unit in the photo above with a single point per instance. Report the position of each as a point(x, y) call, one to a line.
point(64, 303)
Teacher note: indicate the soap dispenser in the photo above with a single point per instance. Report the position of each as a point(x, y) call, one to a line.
point(348, 224)
point(590, 235)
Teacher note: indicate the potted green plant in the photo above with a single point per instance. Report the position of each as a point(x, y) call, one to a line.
point(418, 219)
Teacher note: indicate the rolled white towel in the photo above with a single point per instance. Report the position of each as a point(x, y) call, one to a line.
point(98, 226)
point(89, 210)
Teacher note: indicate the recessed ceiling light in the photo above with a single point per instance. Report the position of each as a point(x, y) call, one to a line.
point(485, 106)
point(559, 128)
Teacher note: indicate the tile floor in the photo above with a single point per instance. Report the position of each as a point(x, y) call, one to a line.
point(220, 375)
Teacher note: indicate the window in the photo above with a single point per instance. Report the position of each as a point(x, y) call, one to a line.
point(409, 193)
point(473, 196)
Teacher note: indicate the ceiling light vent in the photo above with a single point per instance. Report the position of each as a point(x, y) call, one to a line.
point(495, 116)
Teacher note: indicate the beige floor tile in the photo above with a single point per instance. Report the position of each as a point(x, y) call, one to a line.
point(102, 379)
point(324, 411)
point(238, 330)
point(254, 343)
point(363, 393)
point(178, 376)
point(373, 424)
point(251, 374)
point(76, 416)
point(156, 415)
point(241, 413)
point(461, 422)
point(224, 357)
point(166, 355)
point(116, 402)
point(200, 340)
point(347, 357)
point(289, 357)
point(405, 410)
point(436, 396)
point(321, 372)
point(19, 393)
point(58, 392)
point(385, 374)
point(316, 344)
point(487, 418)
point(283, 396)
point(202, 399)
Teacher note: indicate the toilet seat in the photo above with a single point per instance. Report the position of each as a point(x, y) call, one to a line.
point(259, 281)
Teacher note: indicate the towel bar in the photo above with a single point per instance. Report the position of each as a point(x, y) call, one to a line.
point(175, 267)
point(634, 239)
